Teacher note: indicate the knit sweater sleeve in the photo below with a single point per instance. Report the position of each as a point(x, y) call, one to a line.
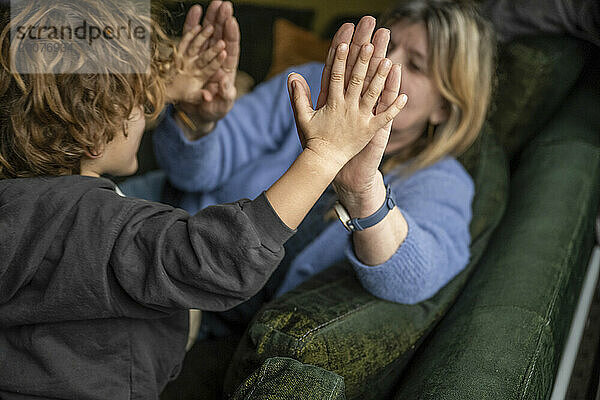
point(436, 203)
point(257, 125)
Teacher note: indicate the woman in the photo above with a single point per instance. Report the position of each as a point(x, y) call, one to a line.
point(420, 240)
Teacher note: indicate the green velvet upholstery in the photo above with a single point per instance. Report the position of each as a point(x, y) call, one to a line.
point(534, 75)
point(504, 337)
point(332, 322)
point(281, 378)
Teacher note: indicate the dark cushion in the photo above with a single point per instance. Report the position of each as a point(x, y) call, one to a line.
point(281, 378)
point(332, 322)
point(203, 370)
point(504, 336)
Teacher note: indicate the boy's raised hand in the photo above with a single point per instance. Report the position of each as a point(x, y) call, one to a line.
point(345, 123)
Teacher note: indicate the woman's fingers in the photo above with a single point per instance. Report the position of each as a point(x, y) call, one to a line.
point(212, 11)
point(231, 36)
point(381, 40)
point(387, 116)
point(201, 38)
point(391, 88)
point(343, 35)
point(362, 36)
point(336, 78)
point(369, 99)
point(357, 76)
point(224, 13)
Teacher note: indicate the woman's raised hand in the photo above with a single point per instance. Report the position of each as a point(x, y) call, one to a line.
point(345, 123)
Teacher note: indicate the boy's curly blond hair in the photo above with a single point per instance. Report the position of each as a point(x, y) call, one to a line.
point(48, 121)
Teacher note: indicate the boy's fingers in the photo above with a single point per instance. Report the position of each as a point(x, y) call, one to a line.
point(388, 115)
point(343, 35)
point(372, 94)
point(213, 66)
point(336, 78)
point(300, 102)
point(357, 77)
point(362, 36)
point(187, 38)
point(391, 88)
point(199, 40)
point(381, 40)
point(207, 56)
point(192, 18)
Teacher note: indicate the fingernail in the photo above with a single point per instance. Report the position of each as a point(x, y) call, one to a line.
point(403, 98)
point(387, 63)
point(343, 46)
point(209, 28)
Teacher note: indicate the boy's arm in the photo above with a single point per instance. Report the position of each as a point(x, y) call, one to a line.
point(258, 124)
point(165, 259)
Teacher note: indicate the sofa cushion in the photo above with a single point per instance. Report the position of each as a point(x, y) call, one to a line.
point(281, 378)
point(332, 322)
point(504, 336)
point(294, 45)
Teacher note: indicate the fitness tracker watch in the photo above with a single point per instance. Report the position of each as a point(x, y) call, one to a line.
point(359, 224)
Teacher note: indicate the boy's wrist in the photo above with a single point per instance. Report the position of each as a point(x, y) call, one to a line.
point(327, 155)
point(322, 166)
point(193, 126)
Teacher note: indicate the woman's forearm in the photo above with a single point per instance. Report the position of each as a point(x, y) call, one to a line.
point(377, 244)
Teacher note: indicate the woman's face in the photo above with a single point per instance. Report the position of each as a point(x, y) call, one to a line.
point(408, 46)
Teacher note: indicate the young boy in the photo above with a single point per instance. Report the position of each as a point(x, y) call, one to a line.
point(95, 287)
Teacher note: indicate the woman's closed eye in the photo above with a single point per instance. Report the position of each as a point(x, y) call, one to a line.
point(415, 66)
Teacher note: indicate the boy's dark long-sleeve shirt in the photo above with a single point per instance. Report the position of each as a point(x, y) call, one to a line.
point(94, 287)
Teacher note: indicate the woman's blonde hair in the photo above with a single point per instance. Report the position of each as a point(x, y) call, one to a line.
point(461, 63)
point(50, 120)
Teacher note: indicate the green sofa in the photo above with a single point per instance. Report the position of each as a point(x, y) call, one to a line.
point(494, 332)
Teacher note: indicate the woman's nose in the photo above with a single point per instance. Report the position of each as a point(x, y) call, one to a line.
point(397, 55)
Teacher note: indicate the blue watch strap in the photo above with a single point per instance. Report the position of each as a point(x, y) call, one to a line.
point(359, 224)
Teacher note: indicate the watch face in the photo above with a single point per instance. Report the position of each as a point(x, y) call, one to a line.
point(342, 214)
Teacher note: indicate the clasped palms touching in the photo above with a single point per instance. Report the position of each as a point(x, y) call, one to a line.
point(361, 174)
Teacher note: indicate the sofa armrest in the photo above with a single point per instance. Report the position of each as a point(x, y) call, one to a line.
point(332, 322)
